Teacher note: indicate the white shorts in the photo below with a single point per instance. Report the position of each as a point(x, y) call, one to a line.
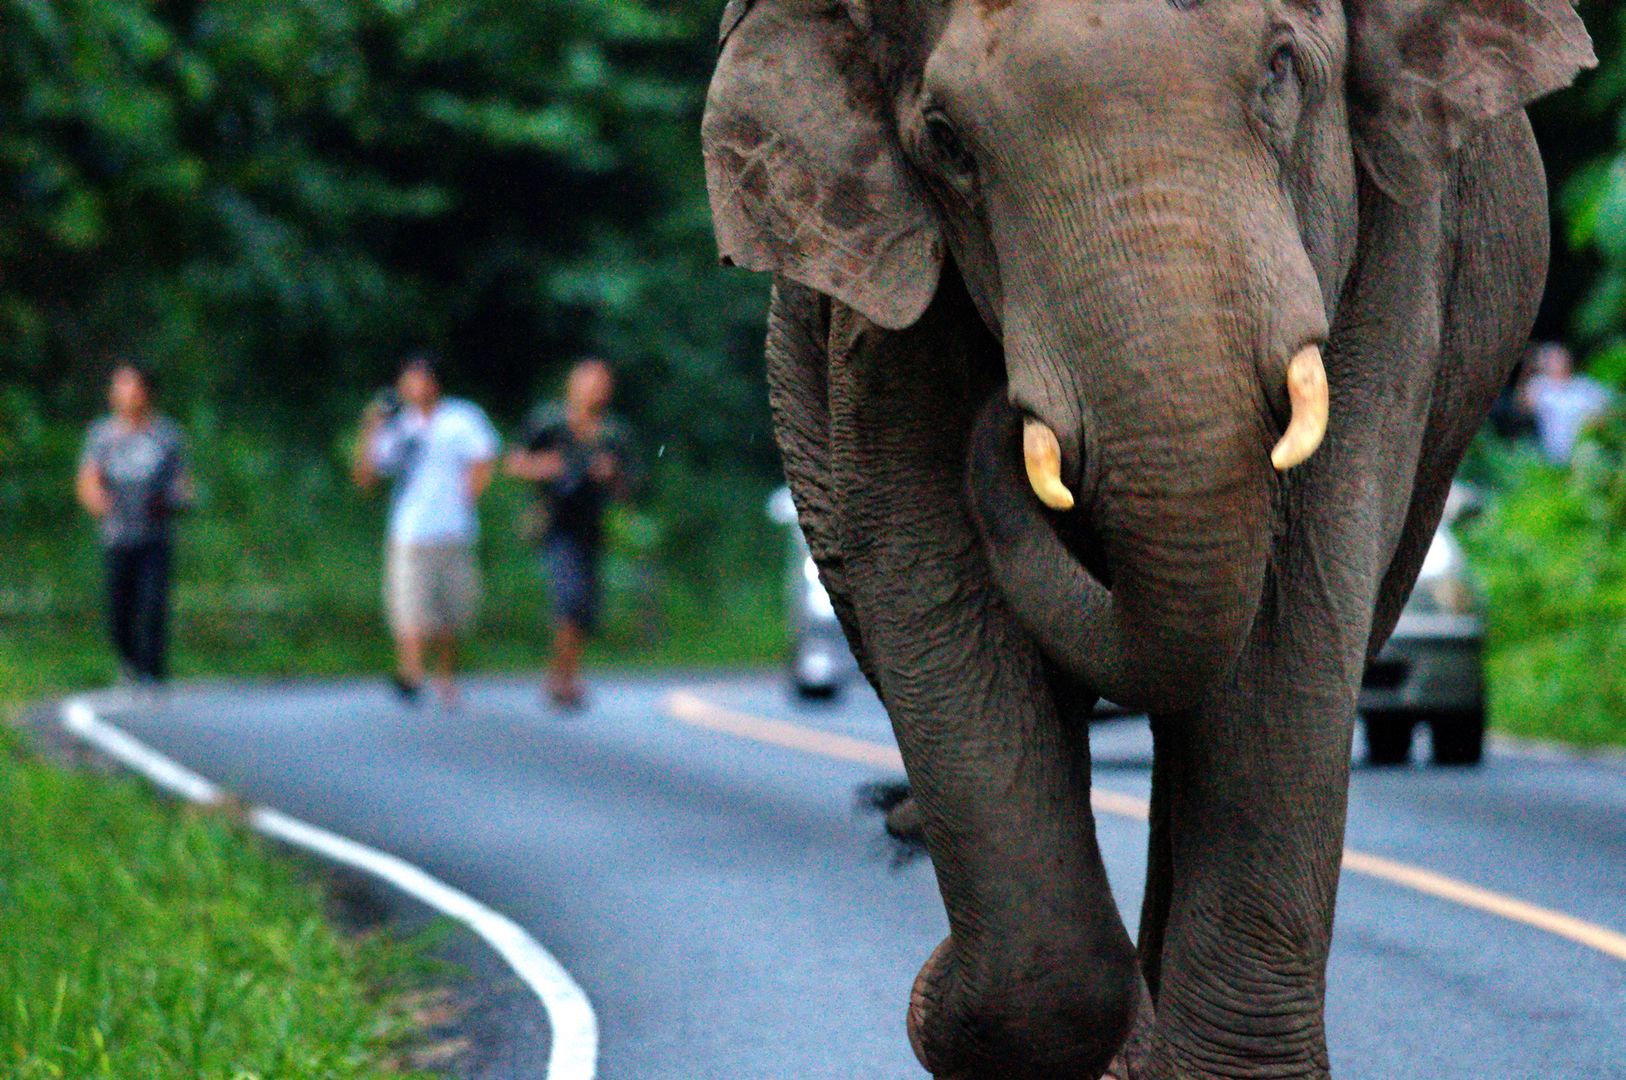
point(431, 588)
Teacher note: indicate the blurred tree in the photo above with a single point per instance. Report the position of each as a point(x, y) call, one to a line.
point(1583, 136)
point(273, 200)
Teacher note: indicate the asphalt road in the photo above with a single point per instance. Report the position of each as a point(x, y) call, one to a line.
point(733, 914)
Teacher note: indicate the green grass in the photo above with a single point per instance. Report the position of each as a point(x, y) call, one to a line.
point(139, 939)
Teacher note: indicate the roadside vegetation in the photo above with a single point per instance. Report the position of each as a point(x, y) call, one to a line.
point(1551, 548)
point(1550, 553)
point(142, 939)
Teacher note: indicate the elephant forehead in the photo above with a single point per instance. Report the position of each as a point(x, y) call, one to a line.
point(1058, 44)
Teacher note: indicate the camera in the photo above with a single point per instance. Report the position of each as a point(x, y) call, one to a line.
point(388, 404)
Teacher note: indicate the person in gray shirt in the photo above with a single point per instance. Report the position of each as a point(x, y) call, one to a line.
point(133, 479)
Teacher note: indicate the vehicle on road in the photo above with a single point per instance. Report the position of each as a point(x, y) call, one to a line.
point(1432, 670)
point(820, 661)
point(1430, 674)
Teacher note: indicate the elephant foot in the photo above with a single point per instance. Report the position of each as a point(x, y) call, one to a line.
point(924, 1002)
point(1061, 1024)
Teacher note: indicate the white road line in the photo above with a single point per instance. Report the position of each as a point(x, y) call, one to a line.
point(574, 1051)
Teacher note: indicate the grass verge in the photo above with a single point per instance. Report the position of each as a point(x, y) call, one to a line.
point(278, 573)
point(143, 939)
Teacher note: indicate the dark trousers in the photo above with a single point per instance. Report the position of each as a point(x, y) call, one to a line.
point(138, 606)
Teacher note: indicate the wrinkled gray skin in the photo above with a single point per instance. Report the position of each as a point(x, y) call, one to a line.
point(1123, 217)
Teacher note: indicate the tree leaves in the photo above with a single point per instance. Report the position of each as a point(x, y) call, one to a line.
point(274, 200)
point(1592, 198)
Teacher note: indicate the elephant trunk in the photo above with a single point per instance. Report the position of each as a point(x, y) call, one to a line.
point(1161, 634)
point(1160, 377)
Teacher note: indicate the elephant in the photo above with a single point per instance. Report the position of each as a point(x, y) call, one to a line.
point(1127, 349)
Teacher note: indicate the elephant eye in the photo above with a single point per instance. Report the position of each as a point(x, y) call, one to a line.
point(1279, 96)
point(946, 145)
point(1283, 67)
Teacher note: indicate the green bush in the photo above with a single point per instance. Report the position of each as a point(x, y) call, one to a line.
point(273, 201)
point(1551, 554)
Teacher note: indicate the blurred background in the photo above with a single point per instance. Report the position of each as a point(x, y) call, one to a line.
point(272, 202)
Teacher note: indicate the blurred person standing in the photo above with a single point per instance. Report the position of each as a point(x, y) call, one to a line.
point(1561, 402)
point(133, 479)
point(580, 458)
point(440, 453)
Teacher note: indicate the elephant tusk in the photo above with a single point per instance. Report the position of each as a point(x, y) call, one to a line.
point(1307, 390)
point(1042, 451)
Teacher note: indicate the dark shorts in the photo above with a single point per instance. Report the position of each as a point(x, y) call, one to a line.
point(572, 568)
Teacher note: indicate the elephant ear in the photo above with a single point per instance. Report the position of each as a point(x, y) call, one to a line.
point(1425, 73)
point(806, 175)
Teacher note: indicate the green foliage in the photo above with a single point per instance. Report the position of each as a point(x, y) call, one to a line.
point(273, 201)
point(1552, 550)
point(138, 940)
point(1584, 136)
point(1551, 554)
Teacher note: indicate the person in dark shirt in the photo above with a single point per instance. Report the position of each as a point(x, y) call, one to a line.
point(133, 479)
point(579, 457)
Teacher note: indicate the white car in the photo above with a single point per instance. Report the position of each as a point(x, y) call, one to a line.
point(820, 661)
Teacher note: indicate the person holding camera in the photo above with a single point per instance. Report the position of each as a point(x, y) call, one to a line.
point(440, 454)
point(133, 479)
point(580, 458)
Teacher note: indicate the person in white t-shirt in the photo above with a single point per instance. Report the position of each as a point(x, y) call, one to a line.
point(1562, 401)
point(439, 452)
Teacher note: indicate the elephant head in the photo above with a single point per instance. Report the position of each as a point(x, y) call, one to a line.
point(1154, 206)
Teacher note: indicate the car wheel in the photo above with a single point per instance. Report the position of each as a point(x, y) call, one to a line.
point(1459, 737)
point(815, 691)
point(1388, 738)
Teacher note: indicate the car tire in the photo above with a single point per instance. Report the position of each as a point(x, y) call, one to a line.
point(1388, 738)
point(815, 691)
point(1459, 738)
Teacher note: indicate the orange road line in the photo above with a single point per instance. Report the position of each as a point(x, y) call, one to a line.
point(1591, 935)
point(698, 712)
point(703, 714)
